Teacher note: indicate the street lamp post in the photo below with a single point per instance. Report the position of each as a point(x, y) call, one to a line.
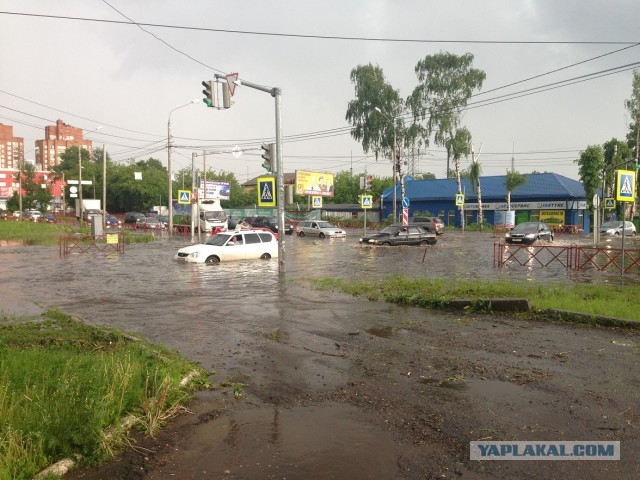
point(80, 175)
point(169, 172)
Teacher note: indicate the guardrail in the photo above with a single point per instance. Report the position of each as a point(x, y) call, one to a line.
point(571, 257)
point(80, 243)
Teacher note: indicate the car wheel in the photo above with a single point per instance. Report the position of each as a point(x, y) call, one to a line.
point(424, 242)
point(212, 259)
point(322, 235)
point(301, 234)
point(386, 244)
point(265, 256)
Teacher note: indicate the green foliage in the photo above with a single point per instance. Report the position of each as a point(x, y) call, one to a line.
point(32, 233)
point(64, 385)
point(591, 164)
point(596, 300)
point(34, 197)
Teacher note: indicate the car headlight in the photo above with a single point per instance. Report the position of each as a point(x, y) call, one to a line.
point(508, 235)
point(373, 241)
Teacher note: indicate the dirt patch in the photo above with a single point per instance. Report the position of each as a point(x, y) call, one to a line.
point(392, 392)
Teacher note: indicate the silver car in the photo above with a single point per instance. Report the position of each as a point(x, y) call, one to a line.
point(614, 227)
point(319, 228)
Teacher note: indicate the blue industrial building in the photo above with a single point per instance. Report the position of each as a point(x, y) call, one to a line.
point(546, 197)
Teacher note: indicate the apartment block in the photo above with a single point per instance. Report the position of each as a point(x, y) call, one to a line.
point(57, 138)
point(11, 148)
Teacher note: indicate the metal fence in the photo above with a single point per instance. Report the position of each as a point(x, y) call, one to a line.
point(79, 243)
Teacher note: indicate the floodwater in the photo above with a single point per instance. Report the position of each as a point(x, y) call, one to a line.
point(219, 316)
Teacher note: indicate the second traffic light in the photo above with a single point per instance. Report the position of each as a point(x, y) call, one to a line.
point(268, 152)
point(209, 93)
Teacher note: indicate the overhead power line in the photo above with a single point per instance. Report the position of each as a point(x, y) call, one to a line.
point(326, 37)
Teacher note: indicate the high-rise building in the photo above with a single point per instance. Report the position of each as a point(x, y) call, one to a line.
point(11, 148)
point(57, 138)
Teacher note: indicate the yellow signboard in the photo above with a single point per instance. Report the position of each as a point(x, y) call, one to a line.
point(112, 238)
point(366, 201)
point(184, 197)
point(266, 192)
point(552, 217)
point(625, 186)
point(314, 183)
point(316, 202)
point(459, 200)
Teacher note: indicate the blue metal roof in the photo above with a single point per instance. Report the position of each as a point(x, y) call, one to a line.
point(539, 186)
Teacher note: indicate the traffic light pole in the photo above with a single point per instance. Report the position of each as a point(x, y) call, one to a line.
point(275, 93)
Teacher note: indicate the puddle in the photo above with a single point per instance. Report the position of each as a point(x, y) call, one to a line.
point(333, 441)
point(383, 332)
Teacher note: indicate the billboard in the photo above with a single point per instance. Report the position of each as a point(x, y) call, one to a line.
point(314, 183)
point(215, 189)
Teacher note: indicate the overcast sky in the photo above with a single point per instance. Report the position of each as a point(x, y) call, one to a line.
point(104, 72)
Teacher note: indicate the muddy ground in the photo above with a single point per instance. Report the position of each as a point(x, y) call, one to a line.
point(383, 391)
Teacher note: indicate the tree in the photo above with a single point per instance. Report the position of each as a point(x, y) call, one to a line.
point(512, 181)
point(446, 82)
point(633, 106)
point(35, 196)
point(475, 171)
point(591, 165)
point(384, 131)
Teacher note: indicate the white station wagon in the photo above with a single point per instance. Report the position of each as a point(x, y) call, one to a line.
point(319, 228)
point(231, 245)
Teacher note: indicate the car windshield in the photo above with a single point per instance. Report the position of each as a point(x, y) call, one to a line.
point(390, 230)
point(218, 240)
point(526, 228)
point(613, 224)
point(326, 225)
point(221, 216)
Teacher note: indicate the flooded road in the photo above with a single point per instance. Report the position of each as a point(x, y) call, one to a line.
point(239, 320)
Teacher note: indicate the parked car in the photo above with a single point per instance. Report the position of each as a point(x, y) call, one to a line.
point(232, 245)
point(614, 227)
point(149, 223)
point(430, 224)
point(401, 235)
point(529, 232)
point(111, 221)
point(132, 217)
point(272, 224)
point(319, 228)
point(17, 214)
point(164, 219)
point(49, 218)
point(33, 215)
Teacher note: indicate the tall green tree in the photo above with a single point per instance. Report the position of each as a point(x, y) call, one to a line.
point(633, 106)
point(591, 165)
point(376, 116)
point(446, 83)
point(512, 181)
point(36, 194)
point(475, 172)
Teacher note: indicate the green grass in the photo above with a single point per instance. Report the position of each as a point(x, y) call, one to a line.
point(66, 386)
point(32, 233)
point(598, 300)
point(48, 234)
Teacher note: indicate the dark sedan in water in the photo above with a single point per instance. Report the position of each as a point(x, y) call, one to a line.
point(401, 235)
point(529, 232)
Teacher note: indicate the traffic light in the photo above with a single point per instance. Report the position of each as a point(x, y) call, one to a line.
point(267, 154)
point(209, 98)
point(367, 182)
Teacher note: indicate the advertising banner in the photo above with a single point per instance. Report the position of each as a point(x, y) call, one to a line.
point(314, 183)
point(215, 189)
point(552, 217)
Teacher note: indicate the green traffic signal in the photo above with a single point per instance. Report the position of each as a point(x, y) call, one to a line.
point(208, 92)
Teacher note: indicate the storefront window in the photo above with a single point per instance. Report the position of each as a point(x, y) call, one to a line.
point(451, 218)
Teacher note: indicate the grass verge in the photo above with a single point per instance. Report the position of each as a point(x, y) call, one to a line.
point(48, 234)
point(593, 300)
point(65, 388)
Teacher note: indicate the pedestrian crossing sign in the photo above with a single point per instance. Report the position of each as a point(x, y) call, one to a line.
point(184, 197)
point(266, 192)
point(316, 202)
point(459, 200)
point(625, 186)
point(609, 203)
point(366, 201)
